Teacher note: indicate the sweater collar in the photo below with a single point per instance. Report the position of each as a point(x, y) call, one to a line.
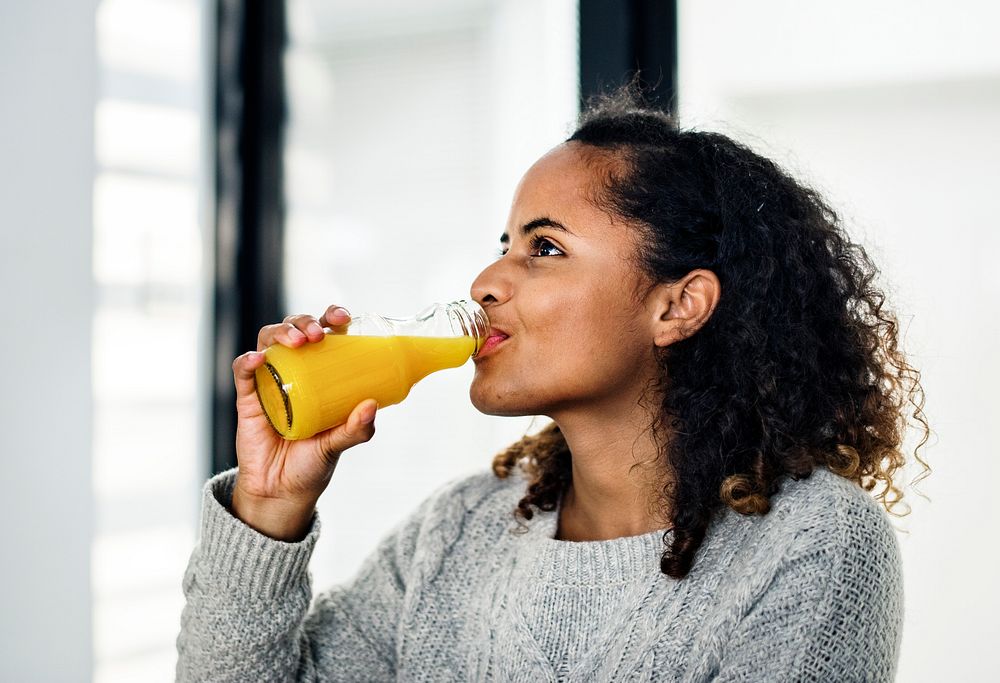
point(588, 563)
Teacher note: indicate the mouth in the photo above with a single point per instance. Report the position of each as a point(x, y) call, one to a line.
point(495, 339)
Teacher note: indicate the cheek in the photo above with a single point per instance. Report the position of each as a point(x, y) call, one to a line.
point(593, 358)
point(598, 344)
point(566, 348)
point(573, 349)
point(592, 327)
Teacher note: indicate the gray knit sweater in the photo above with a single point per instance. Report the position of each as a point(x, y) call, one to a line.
point(811, 591)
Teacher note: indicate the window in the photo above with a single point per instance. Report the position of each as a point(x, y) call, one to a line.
point(410, 125)
point(149, 260)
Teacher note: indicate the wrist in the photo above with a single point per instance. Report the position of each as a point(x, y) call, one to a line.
point(278, 518)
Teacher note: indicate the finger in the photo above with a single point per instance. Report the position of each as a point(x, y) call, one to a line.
point(307, 325)
point(359, 428)
point(244, 368)
point(335, 315)
point(285, 334)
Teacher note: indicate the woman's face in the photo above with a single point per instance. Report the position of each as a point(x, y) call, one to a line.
point(564, 292)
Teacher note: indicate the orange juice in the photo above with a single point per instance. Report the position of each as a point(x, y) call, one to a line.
point(315, 387)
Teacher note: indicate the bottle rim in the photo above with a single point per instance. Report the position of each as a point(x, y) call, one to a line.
point(285, 400)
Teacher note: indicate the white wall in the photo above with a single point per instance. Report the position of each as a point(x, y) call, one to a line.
point(47, 77)
point(891, 109)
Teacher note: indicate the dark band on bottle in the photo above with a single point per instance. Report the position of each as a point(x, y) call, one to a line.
point(284, 399)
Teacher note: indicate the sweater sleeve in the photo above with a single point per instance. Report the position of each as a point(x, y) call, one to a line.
point(247, 614)
point(833, 610)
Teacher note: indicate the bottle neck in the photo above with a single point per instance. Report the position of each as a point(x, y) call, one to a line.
point(462, 318)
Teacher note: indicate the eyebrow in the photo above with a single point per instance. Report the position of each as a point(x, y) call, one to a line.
point(529, 227)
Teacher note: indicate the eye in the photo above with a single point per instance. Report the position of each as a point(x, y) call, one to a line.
point(536, 244)
point(539, 242)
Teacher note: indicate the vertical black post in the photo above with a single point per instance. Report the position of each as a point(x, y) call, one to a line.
point(620, 37)
point(250, 114)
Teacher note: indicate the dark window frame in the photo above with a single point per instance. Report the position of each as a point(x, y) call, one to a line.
point(250, 113)
point(619, 38)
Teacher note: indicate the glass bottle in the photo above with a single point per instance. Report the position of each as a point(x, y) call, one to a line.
point(311, 388)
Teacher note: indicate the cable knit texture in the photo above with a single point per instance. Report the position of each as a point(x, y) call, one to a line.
point(812, 591)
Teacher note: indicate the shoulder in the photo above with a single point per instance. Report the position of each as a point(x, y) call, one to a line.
point(469, 503)
point(842, 560)
point(471, 492)
point(826, 521)
point(826, 510)
point(816, 584)
point(484, 483)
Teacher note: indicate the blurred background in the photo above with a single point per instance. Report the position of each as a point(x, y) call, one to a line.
point(177, 173)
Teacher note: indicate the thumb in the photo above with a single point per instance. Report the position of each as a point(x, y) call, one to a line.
point(359, 428)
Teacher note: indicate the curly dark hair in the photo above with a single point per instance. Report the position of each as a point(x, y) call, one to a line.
point(797, 367)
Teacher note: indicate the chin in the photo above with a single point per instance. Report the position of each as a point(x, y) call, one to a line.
point(501, 404)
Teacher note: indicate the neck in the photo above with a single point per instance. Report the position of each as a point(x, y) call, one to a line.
point(617, 474)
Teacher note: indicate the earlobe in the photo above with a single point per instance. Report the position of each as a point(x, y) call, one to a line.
point(666, 301)
point(669, 333)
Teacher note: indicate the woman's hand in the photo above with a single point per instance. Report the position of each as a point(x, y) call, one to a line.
point(279, 481)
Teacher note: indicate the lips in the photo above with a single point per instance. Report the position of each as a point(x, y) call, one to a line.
point(495, 338)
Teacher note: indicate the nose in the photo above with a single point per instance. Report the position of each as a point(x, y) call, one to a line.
point(492, 286)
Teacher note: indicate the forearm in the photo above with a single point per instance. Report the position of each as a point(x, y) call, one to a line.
point(248, 615)
point(247, 600)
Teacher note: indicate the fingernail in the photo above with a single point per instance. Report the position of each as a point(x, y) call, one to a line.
point(296, 334)
point(341, 312)
point(368, 416)
point(315, 328)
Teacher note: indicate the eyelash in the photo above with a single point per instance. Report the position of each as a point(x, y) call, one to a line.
point(535, 243)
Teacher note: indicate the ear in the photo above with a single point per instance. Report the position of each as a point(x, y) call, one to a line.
point(681, 308)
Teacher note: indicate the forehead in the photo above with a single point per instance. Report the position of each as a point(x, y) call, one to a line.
point(565, 185)
point(563, 175)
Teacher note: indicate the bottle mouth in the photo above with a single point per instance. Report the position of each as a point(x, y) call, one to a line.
point(473, 322)
point(274, 399)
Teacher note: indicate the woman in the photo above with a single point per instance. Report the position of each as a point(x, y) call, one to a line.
point(725, 390)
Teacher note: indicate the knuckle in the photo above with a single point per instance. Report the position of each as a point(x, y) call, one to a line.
point(239, 361)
